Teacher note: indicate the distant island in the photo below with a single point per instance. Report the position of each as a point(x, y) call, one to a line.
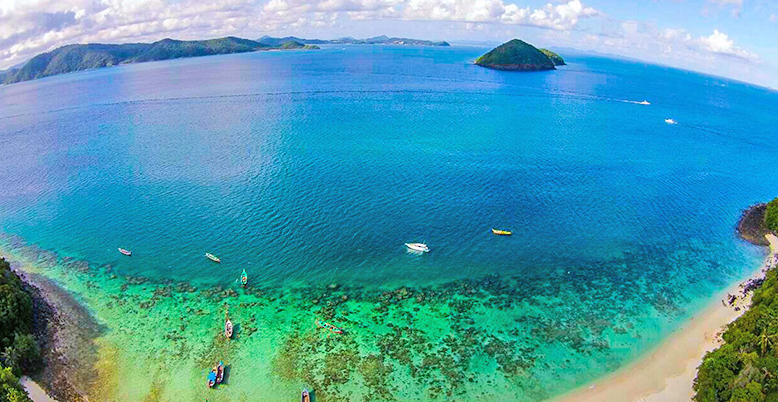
point(84, 57)
point(517, 55)
point(78, 57)
point(377, 40)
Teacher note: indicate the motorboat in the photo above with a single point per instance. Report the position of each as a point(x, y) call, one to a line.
point(420, 247)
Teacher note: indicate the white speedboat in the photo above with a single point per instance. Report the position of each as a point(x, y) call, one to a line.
point(421, 247)
point(670, 121)
point(645, 102)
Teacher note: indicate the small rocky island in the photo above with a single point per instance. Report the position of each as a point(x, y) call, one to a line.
point(517, 55)
point(555, 58)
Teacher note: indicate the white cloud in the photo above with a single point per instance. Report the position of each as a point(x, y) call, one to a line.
point(563, 16)
point(736, 5)
point(720, 43)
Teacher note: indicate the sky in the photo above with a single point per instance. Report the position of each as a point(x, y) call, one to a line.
point(731, 38)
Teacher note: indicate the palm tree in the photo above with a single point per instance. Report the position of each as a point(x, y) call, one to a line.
point(766, 341)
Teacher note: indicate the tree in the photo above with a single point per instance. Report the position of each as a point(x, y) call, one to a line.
point(10, 389)
point(23, 355)
point(771, 216)
point(750, 393)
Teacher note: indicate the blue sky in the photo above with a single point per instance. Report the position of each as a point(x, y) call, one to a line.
point(731, 38)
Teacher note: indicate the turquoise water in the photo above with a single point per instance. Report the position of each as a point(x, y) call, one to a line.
point(313, 168)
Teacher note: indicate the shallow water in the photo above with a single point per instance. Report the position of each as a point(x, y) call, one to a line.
point(311, 169)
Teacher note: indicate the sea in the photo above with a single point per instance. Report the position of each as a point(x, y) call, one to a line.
point(310, 170)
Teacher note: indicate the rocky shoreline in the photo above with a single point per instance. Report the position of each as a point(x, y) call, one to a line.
point(65, 331)
point(751, 226)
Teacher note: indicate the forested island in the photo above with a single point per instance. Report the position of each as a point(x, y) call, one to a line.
point(95, 55)
point(517, 55)
point(84, 57)
point(376, 40)
point(745, 367)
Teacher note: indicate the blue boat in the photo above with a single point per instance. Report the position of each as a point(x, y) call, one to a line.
point(212, 379)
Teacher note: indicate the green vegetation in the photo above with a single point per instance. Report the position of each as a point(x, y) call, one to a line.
point(19, 352)
point(83, 57)
point(745, 367)
point(555, 58)
point(10, 389)
point(771, 216)
point(516, 55)
point(292, 45)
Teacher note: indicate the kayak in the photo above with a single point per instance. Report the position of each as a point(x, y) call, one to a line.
point(125, 252)
point(501, 232)
point(244, 278)
point(212, 257)
point(328, 326)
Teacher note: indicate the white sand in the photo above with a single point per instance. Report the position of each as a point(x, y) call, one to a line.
point(667, 373)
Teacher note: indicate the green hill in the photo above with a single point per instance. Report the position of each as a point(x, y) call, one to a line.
point(555, 58)
point(83, 57)
point(516, 55)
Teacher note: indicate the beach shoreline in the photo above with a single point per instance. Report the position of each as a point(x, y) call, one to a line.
point(667, 372)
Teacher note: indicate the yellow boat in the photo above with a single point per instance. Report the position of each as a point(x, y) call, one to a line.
point(501, 232)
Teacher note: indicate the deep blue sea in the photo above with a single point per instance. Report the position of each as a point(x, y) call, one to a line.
point(314, 167)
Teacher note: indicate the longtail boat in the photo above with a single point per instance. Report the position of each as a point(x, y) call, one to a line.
point(228, 329)
point(306, 396)
point(125, 252)
point(219, 372)
point(244, 278)
point(328, 326)
point(501, 232)
point(212, 257)
point(212, 378)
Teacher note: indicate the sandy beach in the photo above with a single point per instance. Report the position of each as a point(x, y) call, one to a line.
point(667, 373)
point(34, 391)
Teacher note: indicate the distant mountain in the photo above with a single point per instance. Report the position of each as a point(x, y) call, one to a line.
point(83, 57)
point(378, 40)
point(516, 55)
point(555, 58)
